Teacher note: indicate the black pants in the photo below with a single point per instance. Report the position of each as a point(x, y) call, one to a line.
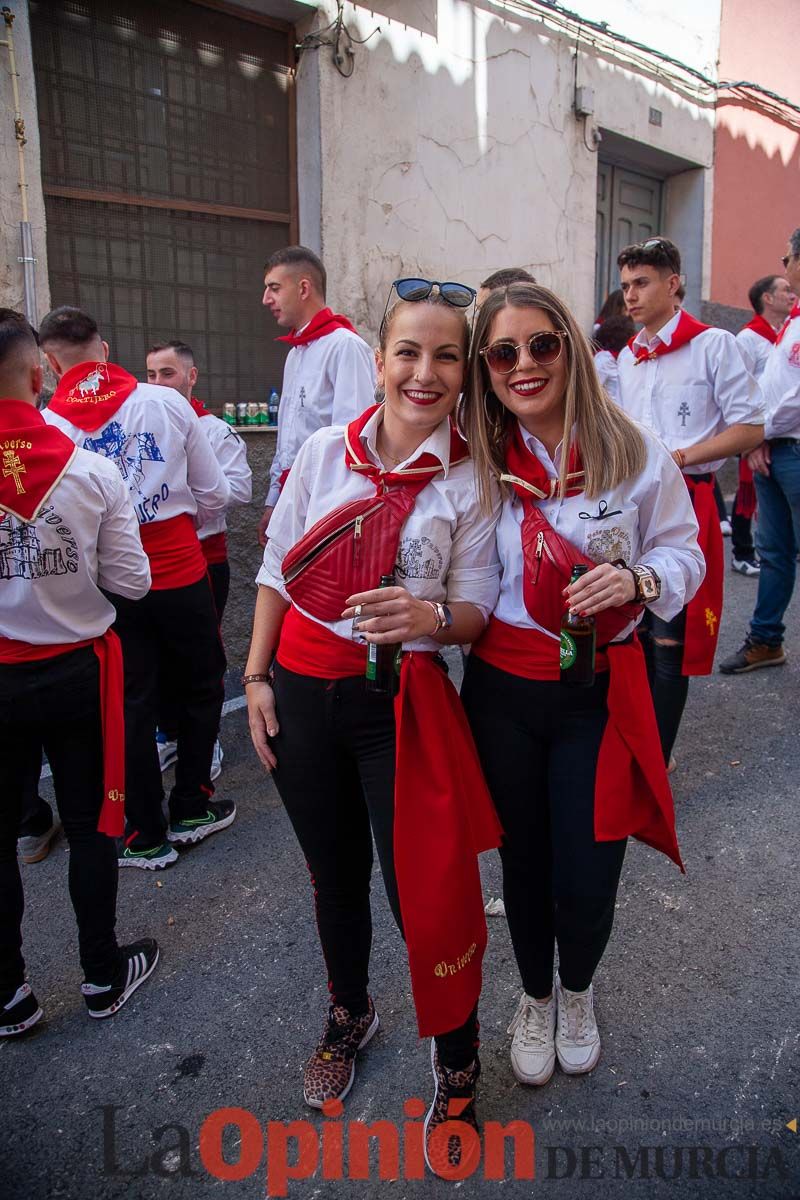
point(54, 704)
point(668, 684)
point(219, 576)
point(171, 635)
point(742, 546)
point(538, 742)
point(335, 776)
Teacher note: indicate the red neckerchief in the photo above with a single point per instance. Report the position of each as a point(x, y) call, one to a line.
point(33, 458)
point(90, 393)
point(791, 317)
point(325, 322)
point(199, 407)
point(422, 471)
point(762, 327)
point(687, 328)
point(528, 476)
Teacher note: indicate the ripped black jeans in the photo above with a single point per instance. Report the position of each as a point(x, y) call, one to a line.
point(662, 642)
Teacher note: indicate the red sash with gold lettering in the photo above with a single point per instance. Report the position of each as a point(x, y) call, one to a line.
point(443, 818)
point(90, 393)
point(704, 610)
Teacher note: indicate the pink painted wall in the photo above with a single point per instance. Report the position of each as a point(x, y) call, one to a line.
point(757, 156)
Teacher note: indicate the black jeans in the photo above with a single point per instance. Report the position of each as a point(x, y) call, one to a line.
point(538, 741)
point(668, 684)
point(335, 776)
point(54, 704)
point(219, 576)
point(173, 636)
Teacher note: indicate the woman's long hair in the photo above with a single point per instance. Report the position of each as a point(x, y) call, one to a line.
point(611, 446)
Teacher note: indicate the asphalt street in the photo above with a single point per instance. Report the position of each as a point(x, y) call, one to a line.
point(696, 997)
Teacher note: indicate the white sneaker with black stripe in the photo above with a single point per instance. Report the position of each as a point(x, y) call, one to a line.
point(19, 1013)
point(139, 960)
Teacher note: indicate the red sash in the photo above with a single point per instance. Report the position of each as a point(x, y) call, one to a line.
point(688, 327)
point(215, 548)
point(791, 317)
point(325, 322)
point(174, 550)
point(108, 650)
point(762, 327)
point(199, 407)
point(632, 796)
point(34, 457)
point(704, 610)
point(348, 550)
point(90, 393)
point(746, 491)
point(443, 819)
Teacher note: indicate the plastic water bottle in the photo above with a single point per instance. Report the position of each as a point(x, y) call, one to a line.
point(272, 407)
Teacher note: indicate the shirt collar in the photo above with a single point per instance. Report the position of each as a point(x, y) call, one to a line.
point(437, 444)
point(538, 448)
point(664, 334)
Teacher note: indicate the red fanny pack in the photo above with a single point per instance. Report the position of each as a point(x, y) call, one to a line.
point(548, 560)
point(347, 551)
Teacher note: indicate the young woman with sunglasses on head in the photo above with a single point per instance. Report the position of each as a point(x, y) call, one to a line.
point(573, 771)
point(393, 492)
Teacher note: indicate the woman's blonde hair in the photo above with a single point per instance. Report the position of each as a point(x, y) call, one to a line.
point(612, 448)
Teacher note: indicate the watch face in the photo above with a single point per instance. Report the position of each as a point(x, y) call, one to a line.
point(448, 616)
point(649, 587)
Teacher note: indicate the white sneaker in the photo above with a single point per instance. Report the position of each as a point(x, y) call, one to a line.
point(216, 761)
point(577, 1036)
point(167, 751)
point(746, 566)
point(533, 1056)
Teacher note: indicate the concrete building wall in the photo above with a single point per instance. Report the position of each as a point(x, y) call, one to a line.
point(11, 280)
point(453, 149)
point(757, 173)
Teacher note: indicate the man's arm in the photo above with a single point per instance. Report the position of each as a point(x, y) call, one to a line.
point(741, 403)
point(353, 378)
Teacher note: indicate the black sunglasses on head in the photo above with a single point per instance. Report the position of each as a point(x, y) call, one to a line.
point(544, 348)
point(460, 295)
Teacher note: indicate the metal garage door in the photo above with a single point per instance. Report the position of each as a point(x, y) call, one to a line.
point(168, 172)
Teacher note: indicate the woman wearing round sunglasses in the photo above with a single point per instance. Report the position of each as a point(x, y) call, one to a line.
point(573, 771)
point(394, 491)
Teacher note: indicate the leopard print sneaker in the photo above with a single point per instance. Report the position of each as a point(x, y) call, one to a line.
point(330, 1071)
point(453, 1101)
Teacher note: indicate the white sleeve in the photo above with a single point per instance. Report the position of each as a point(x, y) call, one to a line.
point(473, 576)
point(204, 476)
point(781, 383)
point(353, 379)
point(122, 565)
point(668, 530)
point(231, 453)
point(736, 392)
point(275, 469)
point(287, 525)
point(746, 351)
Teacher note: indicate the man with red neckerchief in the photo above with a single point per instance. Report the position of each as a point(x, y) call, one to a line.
point(67, 535)
point(156, 443)
point(777, 480)
point(689, 384)
point(329, 376)
point(771, 298)
point(172, 365)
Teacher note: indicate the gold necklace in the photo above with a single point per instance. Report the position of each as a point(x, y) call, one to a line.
point(384, 454)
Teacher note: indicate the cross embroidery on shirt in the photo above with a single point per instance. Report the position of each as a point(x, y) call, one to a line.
point(302, 397)
point(683, 412)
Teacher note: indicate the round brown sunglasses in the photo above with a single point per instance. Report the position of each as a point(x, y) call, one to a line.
point(544, 348)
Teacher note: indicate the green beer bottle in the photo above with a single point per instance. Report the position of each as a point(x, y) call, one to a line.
point(577, 648)
point(383, 661)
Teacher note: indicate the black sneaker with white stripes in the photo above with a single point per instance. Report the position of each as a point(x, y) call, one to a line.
point(138, 963)
point(18, 1012)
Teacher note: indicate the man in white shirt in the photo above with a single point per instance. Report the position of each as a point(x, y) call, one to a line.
point(171, 364)
point(67, 535)
point(771, 299)
point(776, 466)
point(329, 376)
point(174, 481)
point(689, 384)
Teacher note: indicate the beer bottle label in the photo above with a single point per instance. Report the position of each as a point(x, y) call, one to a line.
point(568, 651)
point(372, 661)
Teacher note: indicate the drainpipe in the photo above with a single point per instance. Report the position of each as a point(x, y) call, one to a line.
point(27, 257)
